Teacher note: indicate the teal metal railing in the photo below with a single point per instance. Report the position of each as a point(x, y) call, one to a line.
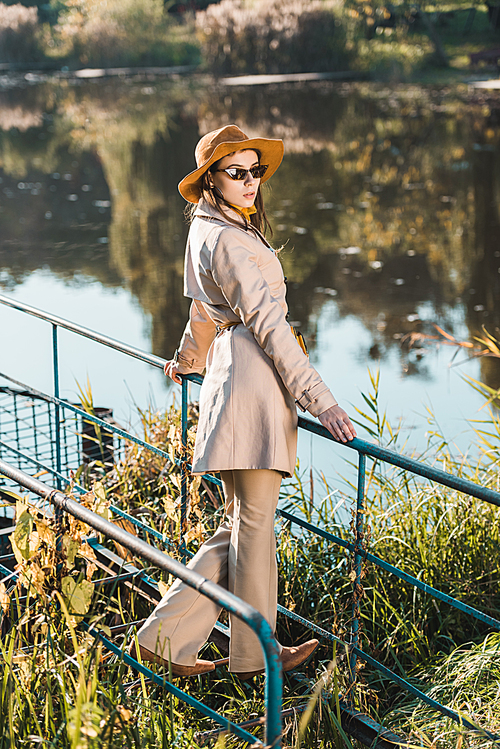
point(211, 590)
point(362, 447)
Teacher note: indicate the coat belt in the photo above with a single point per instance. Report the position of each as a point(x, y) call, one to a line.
point(225, 326)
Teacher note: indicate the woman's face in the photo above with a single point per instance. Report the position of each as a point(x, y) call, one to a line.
point(238, 192)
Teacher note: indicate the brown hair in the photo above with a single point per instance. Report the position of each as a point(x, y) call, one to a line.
point(215, 199)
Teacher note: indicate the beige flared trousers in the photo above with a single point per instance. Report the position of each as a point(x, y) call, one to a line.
point(241, 557)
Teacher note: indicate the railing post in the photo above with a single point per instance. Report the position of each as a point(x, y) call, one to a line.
point(214, 592)
point(55, 363)
point(184, 488)
point(358, 564)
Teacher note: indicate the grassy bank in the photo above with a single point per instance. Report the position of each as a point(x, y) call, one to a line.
point(60, 688)
point(396, 41)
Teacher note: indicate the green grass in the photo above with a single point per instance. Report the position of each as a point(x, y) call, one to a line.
point(60, 688)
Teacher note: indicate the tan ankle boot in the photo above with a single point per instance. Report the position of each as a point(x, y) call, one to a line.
point(293, 657)
point(200, 667)
point(290, 658)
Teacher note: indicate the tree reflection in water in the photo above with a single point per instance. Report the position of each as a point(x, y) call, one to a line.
point(388, 199)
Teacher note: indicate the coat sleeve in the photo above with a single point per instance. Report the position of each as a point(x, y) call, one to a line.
point(196, 340)
point(236, 271)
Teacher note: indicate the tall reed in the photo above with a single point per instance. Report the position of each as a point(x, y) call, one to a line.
point(60, 688)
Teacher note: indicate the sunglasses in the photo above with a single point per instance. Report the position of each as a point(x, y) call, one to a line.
point(238, 173)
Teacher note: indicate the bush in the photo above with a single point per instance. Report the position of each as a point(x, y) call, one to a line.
point(19, 34)
point(122, 32)
point(271, 36)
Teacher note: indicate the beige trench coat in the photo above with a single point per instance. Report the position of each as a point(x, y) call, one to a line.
point(255, 371)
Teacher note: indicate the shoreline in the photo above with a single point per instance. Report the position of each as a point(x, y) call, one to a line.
point(41, 72)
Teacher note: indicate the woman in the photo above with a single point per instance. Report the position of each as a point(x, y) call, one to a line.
point(255, 374)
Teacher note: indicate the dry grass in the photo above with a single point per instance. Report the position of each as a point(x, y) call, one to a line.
point(244, 36)
point(115, 33)
point(19, 34)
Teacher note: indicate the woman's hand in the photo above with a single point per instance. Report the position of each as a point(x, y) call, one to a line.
point(171, 369)
point(338, 423)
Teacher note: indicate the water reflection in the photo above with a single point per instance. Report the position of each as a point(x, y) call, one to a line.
point(387, 200)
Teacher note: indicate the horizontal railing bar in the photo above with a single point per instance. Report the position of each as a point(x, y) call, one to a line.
point(434, 592)
point(38, 463)
point(375, 451)
point(95, 420)
point(119, 629)
point(310, 625)
point(139, 524)
point(387, 672)
point(122, 564)
point(8, 573)
point(372, 661)
point(124, 348)
point(401, 461)
point(116, 510)
point(422, 696)
point(211, 590)
point(341, 542)
point(202, 738)
point(314, 529)
point(123, 577)
point(6, 390)
point(196, 378)
point(183, 696)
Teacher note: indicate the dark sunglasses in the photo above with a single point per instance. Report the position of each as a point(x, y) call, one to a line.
point(238, 173)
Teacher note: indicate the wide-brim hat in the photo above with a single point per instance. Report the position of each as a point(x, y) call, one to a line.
point(219, 143)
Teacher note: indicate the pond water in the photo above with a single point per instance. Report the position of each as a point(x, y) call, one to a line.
point(386, 205)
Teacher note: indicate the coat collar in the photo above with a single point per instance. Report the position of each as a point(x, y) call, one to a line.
point(205, 210)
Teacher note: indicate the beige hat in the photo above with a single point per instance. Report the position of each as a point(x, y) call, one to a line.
point(213, 146)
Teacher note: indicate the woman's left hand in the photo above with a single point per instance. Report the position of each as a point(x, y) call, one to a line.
point(171, 369)
point(336, 420)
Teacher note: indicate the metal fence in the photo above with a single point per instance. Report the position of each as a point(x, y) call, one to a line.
point(363, 448)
